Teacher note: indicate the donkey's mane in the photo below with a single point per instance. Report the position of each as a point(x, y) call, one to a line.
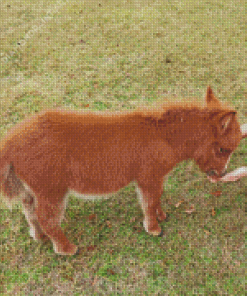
point(158, 110)
point(155, 112)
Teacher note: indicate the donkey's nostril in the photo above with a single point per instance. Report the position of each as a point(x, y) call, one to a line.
point(223, 173)
point(211, 173)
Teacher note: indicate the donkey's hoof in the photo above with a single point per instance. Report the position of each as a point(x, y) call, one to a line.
point(38, 236)
point(77, 251)
point(68, 249)
point(161, 233)
point(155, 231)
point(167, 218)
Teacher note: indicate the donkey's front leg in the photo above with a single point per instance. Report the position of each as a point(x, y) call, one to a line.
point(149, 197)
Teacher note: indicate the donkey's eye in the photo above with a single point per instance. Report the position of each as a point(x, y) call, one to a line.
point(224, 151)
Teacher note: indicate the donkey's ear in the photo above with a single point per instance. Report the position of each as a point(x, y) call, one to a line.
point(224, 121)
point(211, 100)
point(244, 130)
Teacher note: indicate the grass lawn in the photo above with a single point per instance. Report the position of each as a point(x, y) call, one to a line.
point(116, 55)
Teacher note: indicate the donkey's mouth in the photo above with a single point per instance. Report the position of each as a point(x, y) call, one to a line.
point(213, 175)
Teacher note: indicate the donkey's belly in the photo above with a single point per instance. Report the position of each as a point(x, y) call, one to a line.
point(90, 196)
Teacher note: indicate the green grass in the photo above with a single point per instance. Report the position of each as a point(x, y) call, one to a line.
point(117, 55)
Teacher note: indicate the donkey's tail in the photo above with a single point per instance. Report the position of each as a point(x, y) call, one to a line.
point(10, 185)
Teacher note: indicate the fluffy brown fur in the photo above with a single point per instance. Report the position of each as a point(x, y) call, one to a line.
point(54, 152)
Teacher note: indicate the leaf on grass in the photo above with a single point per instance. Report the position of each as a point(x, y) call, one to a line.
point(137, 229)
point(92, 217)
point(216, 193)
point(207, 232)
point(213, 212)
point(95, 281)
point(190, 210)
point(108, 223)
point(110, 252)
point(110, 271)
point(91, 248)
point(178, 203)
point(68, 277)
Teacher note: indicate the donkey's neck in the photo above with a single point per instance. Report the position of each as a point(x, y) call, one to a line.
point(186, 130)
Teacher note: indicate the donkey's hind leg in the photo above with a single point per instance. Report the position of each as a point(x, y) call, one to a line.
point(28, 203)
point(50, 212)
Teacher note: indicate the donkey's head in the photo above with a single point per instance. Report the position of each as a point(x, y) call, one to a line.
point(223, 137)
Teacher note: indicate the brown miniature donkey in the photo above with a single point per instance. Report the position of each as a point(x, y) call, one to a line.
point(48, 155)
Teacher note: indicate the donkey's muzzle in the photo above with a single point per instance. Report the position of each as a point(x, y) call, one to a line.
point(213, 173)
